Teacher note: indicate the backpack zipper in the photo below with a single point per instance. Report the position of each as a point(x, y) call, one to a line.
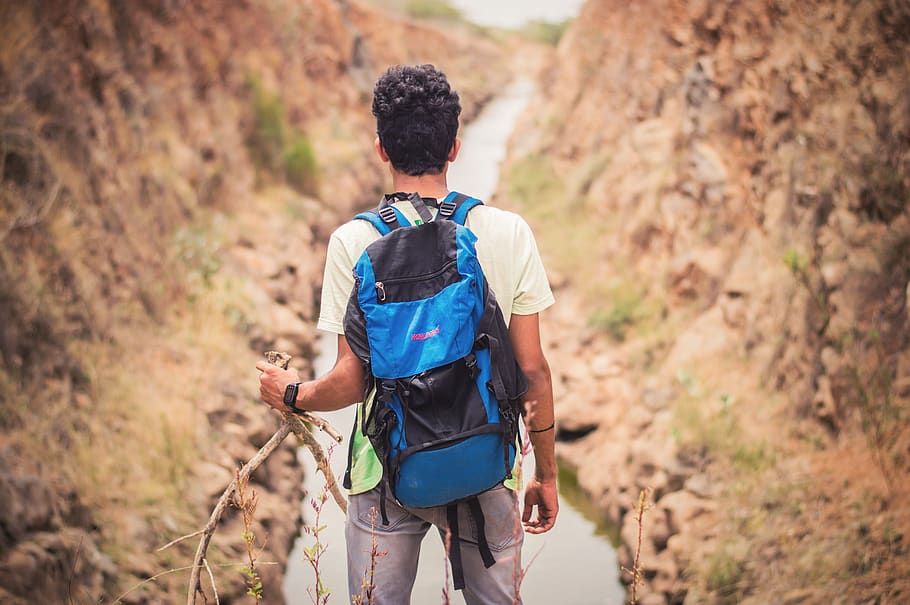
point(380, 285)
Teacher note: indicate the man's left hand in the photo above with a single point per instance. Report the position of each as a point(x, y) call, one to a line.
point(543, 495)
point(272, 383)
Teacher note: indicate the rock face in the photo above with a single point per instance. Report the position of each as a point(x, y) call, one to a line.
point(168, 176)
point(739, 174)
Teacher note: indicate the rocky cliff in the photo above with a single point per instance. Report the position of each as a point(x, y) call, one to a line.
point(168, 173)
point(721, 191)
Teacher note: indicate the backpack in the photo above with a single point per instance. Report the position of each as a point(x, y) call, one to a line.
point(422, 318)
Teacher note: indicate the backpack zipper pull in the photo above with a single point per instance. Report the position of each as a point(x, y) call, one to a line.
point(380, 291)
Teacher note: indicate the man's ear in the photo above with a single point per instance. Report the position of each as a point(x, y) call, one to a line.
point(453, 152)
point(380, 151)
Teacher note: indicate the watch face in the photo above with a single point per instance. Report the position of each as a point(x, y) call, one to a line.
point(290, 394)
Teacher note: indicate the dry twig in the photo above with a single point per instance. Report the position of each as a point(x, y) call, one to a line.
point(635, 572)
point(292, 423)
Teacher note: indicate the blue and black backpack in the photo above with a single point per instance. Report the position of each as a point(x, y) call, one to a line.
point(444, 418)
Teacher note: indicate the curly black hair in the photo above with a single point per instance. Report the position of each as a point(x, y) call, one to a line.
point(416, 118)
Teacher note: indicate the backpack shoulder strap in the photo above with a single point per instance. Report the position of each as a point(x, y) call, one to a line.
point(385, 217)
point(457, 206)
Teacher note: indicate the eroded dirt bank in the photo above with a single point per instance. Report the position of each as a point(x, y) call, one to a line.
point(721, 192)
point(169, 172)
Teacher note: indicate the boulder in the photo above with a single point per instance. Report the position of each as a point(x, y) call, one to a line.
point(212, 478)
point(696, 275)
point(29, 504)
point(683, 507)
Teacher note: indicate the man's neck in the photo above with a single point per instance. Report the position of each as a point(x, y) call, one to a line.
point(426, 185)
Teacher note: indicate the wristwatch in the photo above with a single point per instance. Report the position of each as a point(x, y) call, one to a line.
point(290, 397)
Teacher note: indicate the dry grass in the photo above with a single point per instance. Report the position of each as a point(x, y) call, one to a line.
point(125, 438)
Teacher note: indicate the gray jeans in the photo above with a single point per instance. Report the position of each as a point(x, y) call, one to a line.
point(394, 573)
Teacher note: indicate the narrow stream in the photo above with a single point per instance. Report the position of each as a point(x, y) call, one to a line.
point(575, 562)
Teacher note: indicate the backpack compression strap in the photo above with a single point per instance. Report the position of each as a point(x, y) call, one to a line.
point(486, 554)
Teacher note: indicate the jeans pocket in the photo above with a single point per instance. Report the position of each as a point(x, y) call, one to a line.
point(365, 509)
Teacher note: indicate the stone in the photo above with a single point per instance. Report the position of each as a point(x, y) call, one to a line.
point(823, 405)
point(708, 165)
point(638, 417)
point(663, 571)
point(29, 504)
point(696, 275)
point(702, 486)
point(733, 307)
point(605, 365)
point(798, 595)
point(576, 416)
point(831, 360)
point(653, 598)
point(52, 565)
point(213, 478)
point(683, 507)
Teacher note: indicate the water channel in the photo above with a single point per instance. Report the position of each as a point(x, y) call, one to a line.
point(574, 563)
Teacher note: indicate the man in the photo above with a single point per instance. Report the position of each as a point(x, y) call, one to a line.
point(417, 123)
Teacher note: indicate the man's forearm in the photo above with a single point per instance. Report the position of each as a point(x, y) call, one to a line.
point(339, 388)
point(539, 420)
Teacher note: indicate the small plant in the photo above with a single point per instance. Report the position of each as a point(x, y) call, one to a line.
point(247, 505)
point(635, 573)
point(198, 251)
point(799, 267)
point(872, 378)
point(318, 593)
point(368, 585)
point(518, 572)
point(446, 597)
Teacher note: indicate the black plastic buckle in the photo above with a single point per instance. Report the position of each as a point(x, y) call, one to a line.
point(388, 388)
point(447, 209)
point(387, 214)
point(470, 361)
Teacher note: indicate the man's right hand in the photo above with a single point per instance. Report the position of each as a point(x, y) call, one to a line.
point(272, 383)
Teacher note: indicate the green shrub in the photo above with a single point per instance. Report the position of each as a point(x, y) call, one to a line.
point(277, 148)
point(795, 261)
point(300, 167)
point(623, 312)
point(534, 184)
point(545, 32)
point(433, 9)
point(724, 574)
point(266, 141)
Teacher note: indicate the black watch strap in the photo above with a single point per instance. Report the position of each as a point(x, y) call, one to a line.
point(290, 397)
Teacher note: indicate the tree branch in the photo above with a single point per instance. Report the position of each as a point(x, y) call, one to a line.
point(292, 423)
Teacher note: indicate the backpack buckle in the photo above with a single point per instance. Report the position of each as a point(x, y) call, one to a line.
point(447, 209)
point(387, 214)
